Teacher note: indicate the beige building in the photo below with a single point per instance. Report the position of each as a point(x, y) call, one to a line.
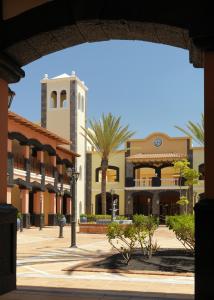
point(143, 177)
point(64, 102)
point(115, 181)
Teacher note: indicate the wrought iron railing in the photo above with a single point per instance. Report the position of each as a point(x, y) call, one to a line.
point(149, 182)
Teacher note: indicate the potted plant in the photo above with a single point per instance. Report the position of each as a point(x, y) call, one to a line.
point(61, 219)
point(19, 221)
point(83, 218)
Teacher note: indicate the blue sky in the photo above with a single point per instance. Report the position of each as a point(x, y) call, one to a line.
point(151, 86)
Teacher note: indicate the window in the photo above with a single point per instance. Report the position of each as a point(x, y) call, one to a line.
point(112, 174)
point(79, 101)
point(201, 169)
point(82, 104)
point(63, 99)
point(53, 100)
point(80, 171)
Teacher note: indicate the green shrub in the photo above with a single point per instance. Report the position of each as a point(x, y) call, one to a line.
point(184, 229)
point(123, 239)
point(19, 215)
point(98, 217)
point(121, 218)
point(91, 218)
point(145, 229)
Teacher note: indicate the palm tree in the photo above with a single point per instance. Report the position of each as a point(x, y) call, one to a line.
point(106, 136)
point(196, 131)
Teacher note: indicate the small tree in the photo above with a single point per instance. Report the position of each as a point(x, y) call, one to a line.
point(190, 175)
point(184, 229)
point(123, 239)
point(145, 229)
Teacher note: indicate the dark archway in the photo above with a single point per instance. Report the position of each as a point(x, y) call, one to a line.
point(142, 203)
point(168, 204)
point(98, 204)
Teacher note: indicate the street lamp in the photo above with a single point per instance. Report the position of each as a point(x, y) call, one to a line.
point(61, 217)
point(40, 210)
point(11, 95)
point(73, 175)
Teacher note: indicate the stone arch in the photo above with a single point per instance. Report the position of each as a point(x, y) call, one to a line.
point(63, 99)
point(53, 100)
point(141, 203)
point(116, 174)
point(82, 22)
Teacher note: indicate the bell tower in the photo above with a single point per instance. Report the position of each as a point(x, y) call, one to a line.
point(63, 111)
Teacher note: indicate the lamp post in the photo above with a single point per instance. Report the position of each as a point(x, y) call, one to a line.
point(73, 175)
point(61, 217)
point(40, 210)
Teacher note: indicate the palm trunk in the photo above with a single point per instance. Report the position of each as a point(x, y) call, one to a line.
point(104, 167)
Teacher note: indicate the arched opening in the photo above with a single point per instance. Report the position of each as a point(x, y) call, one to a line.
point(168, 204)
point(142, 203)
point(201, 170)
point(144, 175)
point(79, 101)
point(109, 199)
point(169, 177)
point(112, 174)
point(63, 99)
point(53, 100)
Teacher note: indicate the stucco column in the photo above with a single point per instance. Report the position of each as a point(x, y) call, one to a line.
point(38, 206)
point(59, 204)
point(52, 220)
point(68, 206)
point(204, 209)
point(9, 145)
point(26, 151)
point(52, 197)
point(9, 190)
point(53, 160)
point(3, 139)
point(40, 156)
point(8, 213)
point(24, 194)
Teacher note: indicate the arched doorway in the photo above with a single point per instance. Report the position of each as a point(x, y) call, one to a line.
point(168, 204)
point(142, 203)
point(98, 204)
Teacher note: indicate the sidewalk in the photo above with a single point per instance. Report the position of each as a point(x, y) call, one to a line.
point(42, 256)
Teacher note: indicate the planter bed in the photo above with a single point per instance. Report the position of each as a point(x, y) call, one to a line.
point(92, 228)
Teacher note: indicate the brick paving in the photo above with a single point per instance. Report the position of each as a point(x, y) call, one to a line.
point(42, 257)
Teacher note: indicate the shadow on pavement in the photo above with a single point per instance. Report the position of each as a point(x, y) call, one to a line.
point(49, 293)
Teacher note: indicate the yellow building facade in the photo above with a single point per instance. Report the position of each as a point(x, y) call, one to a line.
point(143, 178)
point(115, 182)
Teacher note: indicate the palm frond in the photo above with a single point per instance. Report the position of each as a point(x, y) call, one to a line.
point(195, 131)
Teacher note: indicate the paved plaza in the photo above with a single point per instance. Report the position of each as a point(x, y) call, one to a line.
point(42, 260)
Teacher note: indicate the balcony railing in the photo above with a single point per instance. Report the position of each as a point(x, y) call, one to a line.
point(19, 162)
point(155, 181)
